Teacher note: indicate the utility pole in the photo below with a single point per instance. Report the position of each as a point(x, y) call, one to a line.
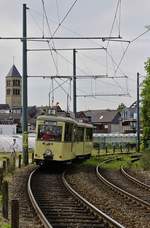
point(24, 90)
point(138, 115)
point(74, 83)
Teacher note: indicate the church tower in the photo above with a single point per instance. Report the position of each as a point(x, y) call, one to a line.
point(13, 87)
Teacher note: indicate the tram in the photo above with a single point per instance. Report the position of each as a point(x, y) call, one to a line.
point(61, 139)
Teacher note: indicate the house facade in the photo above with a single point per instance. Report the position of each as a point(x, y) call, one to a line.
point(129, 119)
point(104, 121)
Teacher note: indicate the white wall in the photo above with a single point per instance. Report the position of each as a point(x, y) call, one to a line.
point(7, 129)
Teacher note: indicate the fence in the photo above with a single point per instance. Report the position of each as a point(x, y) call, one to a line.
point(113, 143)
point(8, 165)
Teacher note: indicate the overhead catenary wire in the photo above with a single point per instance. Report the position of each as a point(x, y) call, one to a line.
point(117, 7)
point(121, 58)
point(119, 24)
point(120, 61)
point(44, 12)
point(75, 1)
point(125, 51)
point(64, 18)
point(58, 15)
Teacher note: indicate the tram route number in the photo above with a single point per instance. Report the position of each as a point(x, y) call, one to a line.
point(25, 139)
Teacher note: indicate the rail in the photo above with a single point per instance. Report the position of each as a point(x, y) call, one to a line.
point(129, 195)
point(136, 181)
point(88, 204)
point(40, 214)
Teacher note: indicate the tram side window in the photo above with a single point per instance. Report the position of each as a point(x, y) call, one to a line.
point(49, 133)
point(80, 134)
point(68, 132)
point(88, 134)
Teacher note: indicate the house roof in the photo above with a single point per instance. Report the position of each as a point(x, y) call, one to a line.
point(101, 116)
point(13, 72)
point(4, 107)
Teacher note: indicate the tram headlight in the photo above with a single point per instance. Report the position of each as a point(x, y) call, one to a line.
point(48, 153)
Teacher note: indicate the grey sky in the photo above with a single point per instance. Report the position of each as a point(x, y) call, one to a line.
point(87, 18)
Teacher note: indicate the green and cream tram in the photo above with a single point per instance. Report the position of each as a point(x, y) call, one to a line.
point(61, 139)
point(83, 140)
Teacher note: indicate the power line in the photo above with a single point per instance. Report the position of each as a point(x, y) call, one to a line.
point(113, 21)
point(58, 11)
point(140, 35)
point(122, 58)
point(65, 17)
point(44, 13)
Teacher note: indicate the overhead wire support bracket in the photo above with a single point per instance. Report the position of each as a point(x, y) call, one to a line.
point(60, 38)
point(104, 95)
point(96, 76)
point(67, 49)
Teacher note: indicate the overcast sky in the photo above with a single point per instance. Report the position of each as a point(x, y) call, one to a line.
point(87, 18)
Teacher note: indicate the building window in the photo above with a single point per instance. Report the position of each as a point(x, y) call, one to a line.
point(16, 92)
point(8, 83)
point(8, 92)
point(16, 82)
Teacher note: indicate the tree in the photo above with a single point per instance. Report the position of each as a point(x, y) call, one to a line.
point(121, 107)
point(145, 109)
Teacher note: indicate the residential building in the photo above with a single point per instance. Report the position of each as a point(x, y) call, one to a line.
point(129, 119)
point(104, 121)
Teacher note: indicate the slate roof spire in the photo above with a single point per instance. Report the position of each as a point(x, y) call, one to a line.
point(13, 72)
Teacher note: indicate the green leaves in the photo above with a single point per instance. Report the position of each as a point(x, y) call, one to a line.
point(145, 95)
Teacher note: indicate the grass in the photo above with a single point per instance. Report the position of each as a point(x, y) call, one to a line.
point(137, 165)
point(121, 160)
point(117, 163)
point(114, 164)
point(4, 225)
point(97, 152)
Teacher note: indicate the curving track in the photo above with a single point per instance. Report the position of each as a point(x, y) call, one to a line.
point(58, 205)
point(135, 180)
point(129, 188)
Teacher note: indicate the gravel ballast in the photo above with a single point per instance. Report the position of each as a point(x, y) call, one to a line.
point(18, 191)
point(84, 180)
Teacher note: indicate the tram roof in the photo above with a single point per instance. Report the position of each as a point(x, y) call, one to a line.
point(63, 119)
point(81, 124)
point(56, 118)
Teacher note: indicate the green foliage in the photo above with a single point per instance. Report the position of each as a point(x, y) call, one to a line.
point(118, 162)
point(6, 225)
point(145, 96)
point(145, 160)
point(121, 107)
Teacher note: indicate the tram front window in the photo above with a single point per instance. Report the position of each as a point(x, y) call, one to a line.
point(49, 133)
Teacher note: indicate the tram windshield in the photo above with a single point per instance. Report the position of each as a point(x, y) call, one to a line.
point(49, 133)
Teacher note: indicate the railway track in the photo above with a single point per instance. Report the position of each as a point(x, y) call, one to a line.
point(135, 180)
point(58, 205)
point(126, 186)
